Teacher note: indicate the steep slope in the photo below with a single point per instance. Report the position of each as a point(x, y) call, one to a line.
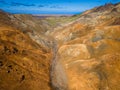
point(89, 20)
point(89, 49)
point(32, 26)
point(35, 57)
point(24, 64)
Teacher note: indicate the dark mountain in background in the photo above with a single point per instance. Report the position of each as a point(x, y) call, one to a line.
point(79, 52)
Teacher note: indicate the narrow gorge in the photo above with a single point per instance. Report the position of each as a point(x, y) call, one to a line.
point(79, 52)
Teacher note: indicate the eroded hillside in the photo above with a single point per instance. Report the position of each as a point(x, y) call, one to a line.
point(89, 49)
point(83, 53)
point(23, 63)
